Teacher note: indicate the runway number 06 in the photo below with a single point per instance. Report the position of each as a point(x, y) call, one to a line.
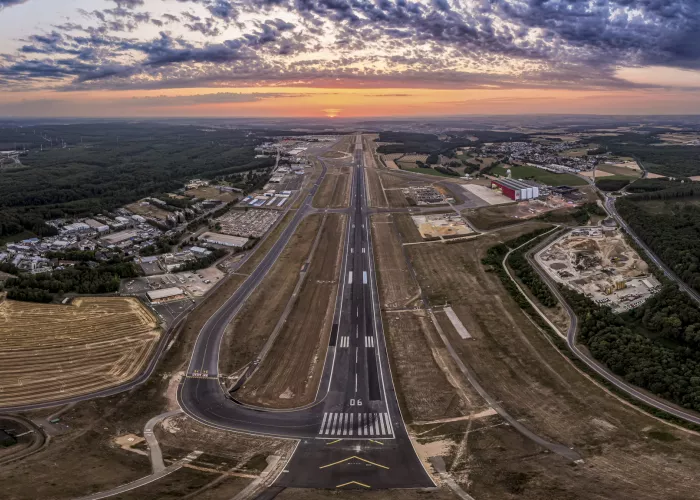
point(352, 402)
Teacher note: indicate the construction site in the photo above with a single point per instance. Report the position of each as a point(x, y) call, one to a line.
point(599, 263)
point(441, 226)
point(250, 223)
point(52, 352)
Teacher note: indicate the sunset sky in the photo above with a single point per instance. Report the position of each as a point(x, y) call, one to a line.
point(347, 58)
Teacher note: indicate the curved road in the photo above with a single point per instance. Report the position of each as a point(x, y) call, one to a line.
point(353, 433)
point(594, 365)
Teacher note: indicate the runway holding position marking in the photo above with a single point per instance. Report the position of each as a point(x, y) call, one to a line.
point(356, 403)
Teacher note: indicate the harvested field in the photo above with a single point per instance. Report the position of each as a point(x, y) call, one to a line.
point(494, 216)
point(517, 364)
point(619, 169)
point(212, 193)
point(334, 191)
point(247, 334)
point(290, 374)
point(54, 351)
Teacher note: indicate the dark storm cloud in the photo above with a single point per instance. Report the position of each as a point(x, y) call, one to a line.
point(10, 3)
point(533, 43)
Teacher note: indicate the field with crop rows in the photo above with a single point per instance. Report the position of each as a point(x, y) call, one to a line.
point(52, 352)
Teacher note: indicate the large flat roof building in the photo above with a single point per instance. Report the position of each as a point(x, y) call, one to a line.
point(223, 239)
point(515, 189)
point(165, 294)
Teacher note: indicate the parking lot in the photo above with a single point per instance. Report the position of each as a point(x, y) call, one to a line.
point(195, 283)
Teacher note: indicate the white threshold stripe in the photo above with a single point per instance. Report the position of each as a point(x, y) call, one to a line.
point(368, 424)
point(323, 423)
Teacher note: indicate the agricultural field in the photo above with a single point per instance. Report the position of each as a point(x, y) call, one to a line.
point(626, 453)
point(53, 352)
point(540, 175)
point(619, 170)
point(290, 374)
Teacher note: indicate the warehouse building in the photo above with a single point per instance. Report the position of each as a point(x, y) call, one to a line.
point(223, 239)
point(166, 294)
point(516, 190)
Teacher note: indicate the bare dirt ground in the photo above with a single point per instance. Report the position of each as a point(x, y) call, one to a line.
point(212, 193)
point(626, 453)
point(56, 351)
point(397, 180)
point(246, 335)
point(86, 434)
point(290, 374)
point(408, 228)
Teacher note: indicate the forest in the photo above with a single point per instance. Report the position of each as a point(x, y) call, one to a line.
point(669, 222)
point(103, 166)
point(85, 277)
point(654, 346)
point(671, 160)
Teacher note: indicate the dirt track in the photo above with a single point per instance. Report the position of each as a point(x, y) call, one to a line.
point(626, 453)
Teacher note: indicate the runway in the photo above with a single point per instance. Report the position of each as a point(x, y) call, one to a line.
point(353, 435)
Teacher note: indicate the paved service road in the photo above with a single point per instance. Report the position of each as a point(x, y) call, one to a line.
point(353, 436)
point(594, 365)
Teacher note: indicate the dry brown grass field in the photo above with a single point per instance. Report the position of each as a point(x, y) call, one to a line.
point(334, 191)
point(53, 352)
point(212, 193)
point(247, 334)
point(290, 374)
point(377, 196)
point(626, 453)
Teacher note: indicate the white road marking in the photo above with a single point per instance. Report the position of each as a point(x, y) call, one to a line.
point(369, 341)
point(349, 277)
point(332, 424)
point(364, 277)
point(323, 423)
point(345, 430)
point(363, 249)
point(356, 383)
point(350, 426)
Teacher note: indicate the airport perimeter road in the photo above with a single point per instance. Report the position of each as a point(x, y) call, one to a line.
point(594, 365)
point(353, 436)
point(610, 206)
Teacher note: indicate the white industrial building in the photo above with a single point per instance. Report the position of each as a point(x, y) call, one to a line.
point(166, 294)
point(223, 239)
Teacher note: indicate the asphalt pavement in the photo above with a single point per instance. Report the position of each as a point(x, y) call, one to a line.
point(353, 435)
